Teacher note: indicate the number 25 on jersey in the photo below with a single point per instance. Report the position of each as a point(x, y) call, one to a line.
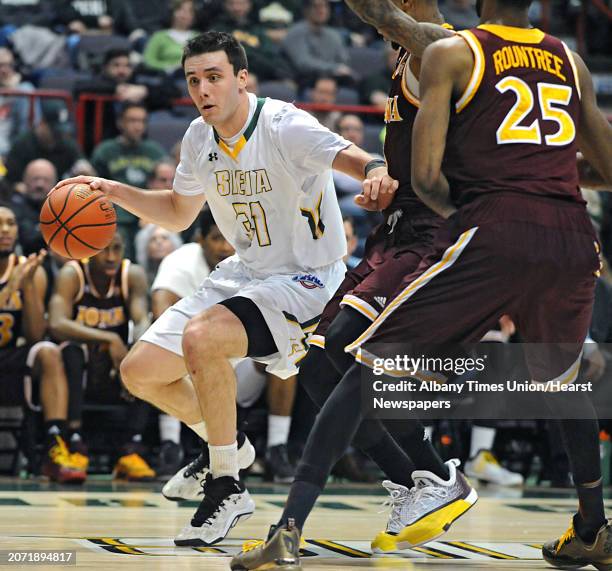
point(551, 98)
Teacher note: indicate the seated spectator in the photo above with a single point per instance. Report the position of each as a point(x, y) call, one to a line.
point(374, 89)
point(265, 57)
point(153, 243)
point(162, 176)
point(83, 16)
point(294, 7)
point(128, 158)
point(51, 138)
point(93, 302)
point(460, 14)
point(39, 178)
point(236, 14)
point(275, 20)
point(324, 92)
point(314, 48)
point(164, 49)
point(351, 243)
point(31, 372)
point(14, 110)
point(118, 78)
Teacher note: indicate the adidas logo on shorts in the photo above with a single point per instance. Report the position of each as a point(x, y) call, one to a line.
point(380, 300)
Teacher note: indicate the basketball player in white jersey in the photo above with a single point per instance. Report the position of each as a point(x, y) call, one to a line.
point(264, 167)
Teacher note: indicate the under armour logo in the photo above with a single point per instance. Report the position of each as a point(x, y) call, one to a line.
point(213, 157)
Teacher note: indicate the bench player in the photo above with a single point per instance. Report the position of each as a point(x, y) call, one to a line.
point(93, 302)
point(265, 169)
point(517, 239)
point(32, 371)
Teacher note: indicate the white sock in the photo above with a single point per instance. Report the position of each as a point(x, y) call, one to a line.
point(482, 439)
point(278, 429)
point(169, 428)
point(224, 460)
point(200, 430)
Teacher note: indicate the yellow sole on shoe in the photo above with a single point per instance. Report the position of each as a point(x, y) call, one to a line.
point(427, 529)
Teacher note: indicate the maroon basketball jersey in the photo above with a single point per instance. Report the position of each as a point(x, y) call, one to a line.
point(400, 112)
point(514, 128)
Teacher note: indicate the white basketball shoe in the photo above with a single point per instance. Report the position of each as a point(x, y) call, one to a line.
point(226, 501)
point(187, 483)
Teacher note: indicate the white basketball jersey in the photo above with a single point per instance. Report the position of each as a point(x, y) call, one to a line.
point(272, 194)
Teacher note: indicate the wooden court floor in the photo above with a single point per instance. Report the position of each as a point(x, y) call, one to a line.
point(112, 526)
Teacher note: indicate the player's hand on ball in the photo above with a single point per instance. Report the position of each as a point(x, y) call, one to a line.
point(95, 182)
point(378, 190)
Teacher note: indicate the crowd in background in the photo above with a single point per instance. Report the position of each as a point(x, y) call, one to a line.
point(312, 51)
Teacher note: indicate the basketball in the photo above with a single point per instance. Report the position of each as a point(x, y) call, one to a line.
point(77, 221)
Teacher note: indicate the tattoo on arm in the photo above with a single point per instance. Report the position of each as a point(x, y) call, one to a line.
point(398, 26)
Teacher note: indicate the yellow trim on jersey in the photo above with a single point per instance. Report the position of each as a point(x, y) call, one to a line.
point(572, 61)
point(410, 97)
point(398, 67)
point(233, 153)
point(512, 34)
point(9, 269)
point(360, 305)
point(450, 256)
point(477, 71)
point(317, 341)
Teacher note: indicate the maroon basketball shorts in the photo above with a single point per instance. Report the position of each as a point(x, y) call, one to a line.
point(535, 260)
point(368, 286)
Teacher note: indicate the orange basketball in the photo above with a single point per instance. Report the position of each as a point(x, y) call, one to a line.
point(77, 222)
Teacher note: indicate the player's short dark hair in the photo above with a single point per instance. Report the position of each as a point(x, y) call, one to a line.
point(115, 53)
point(217, 42)
point(206, 222)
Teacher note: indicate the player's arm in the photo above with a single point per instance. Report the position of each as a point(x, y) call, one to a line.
point(594, 132)
point(61, 306)
point(378, 187)
point(397, 26)
point(33, 288)
point(166, 208)
point(162, 299)
point(446, 65)
point(138, 301)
